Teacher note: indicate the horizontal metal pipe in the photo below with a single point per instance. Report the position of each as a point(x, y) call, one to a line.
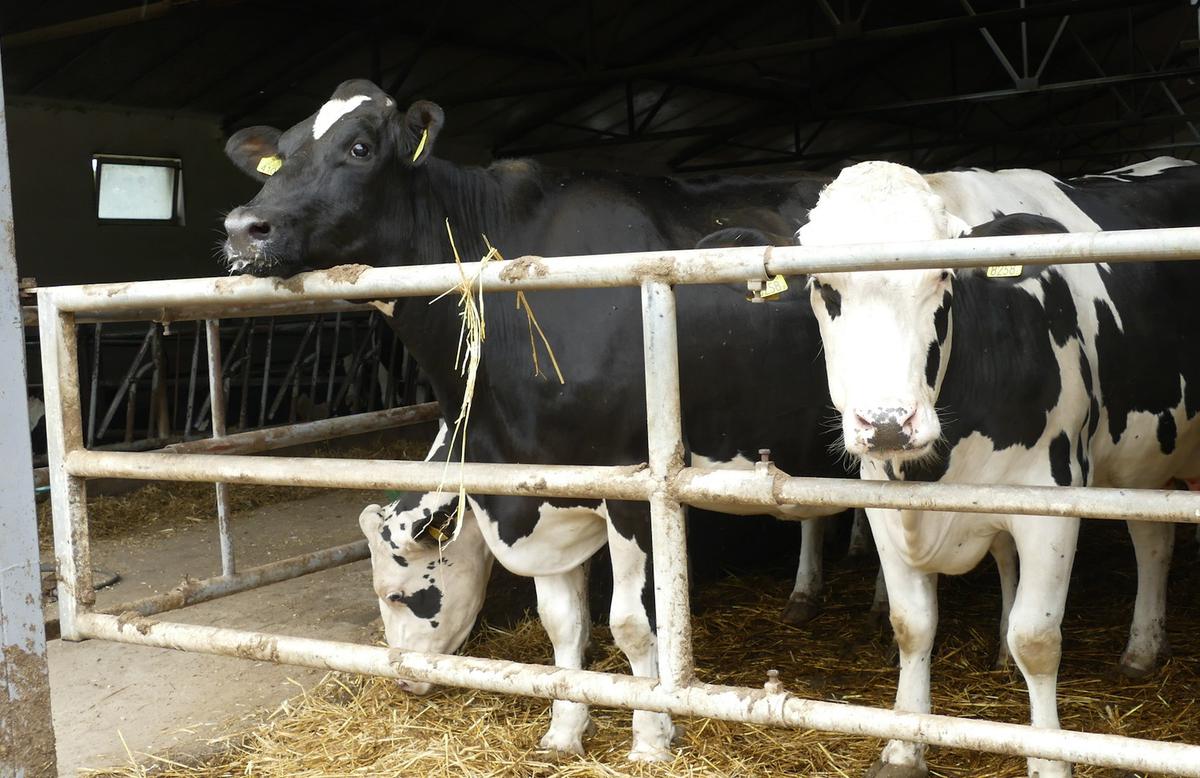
point(731, 265)
point(191, 592)
point(283, 436)
point(631, 482)
point(270, 438)
point(200, 311)
point(773, 708)
point(774, 488)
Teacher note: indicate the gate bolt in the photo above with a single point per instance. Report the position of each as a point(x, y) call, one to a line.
point(763, 465)
point(773, 684)
point(756, 287)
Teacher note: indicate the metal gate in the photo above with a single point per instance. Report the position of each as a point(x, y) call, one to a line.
point(663, 481)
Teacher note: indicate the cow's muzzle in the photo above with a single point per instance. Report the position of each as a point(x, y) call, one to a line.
point(885, 431)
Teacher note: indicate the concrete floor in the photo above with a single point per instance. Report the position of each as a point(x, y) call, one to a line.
point(158, 699)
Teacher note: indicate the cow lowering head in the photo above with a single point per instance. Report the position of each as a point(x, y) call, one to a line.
point(330, 184)
point(886, 334)
point(430, 574)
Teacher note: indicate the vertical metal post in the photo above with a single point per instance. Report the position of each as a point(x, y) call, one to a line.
point(266, 375)
point(95, 381)
point(216, 393)
point(64, 433)
point(665, 440)
point(191, 393)
point(26, 729)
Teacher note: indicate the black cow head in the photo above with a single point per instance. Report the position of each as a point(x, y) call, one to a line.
point(330, 184)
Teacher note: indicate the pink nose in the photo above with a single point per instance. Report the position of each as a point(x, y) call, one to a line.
point(886, 428)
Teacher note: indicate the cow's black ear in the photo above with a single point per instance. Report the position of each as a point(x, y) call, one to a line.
point(440, 527)
point(1017, 224)
point(421, 125)
point(255, 150)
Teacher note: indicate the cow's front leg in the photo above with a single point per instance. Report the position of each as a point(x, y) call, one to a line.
point(1004, 552)
point(1047, 550)
point(563, 609)
point(912, 596)
point(631, 619)
point(805, 600)
point(1153, 543)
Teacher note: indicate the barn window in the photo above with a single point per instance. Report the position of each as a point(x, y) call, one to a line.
point(138, 189)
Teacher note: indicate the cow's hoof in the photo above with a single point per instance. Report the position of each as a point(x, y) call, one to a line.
point(1136, 671)
point(678, 732)
point(1002, 661)
point(800, 611)
point(553, 746)
point(882, 769)
point(647, 753)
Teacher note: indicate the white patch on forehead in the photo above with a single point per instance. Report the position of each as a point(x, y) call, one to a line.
point(334, 110)
point(877, 202)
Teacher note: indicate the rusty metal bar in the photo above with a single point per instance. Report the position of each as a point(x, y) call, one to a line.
point(709, 266)
point(765, 707)
point(216, 395)
point(664, 431)
point(629, 482)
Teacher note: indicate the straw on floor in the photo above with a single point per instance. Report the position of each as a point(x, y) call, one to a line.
point(351, 726)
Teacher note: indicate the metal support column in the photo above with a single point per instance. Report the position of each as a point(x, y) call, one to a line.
point(665, 439)
point(216, 393)
point(26, 728)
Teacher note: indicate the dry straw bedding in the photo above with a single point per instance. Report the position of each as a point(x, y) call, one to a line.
point(352, 726)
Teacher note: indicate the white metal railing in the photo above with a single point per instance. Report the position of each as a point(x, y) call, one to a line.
point(663, 481)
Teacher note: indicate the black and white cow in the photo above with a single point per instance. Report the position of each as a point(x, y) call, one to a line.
point(1069, 375)
point(358, 183)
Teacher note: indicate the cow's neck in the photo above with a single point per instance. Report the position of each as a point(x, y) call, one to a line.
point(476, 202)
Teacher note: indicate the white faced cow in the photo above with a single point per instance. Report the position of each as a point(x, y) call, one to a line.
point(1071, 375)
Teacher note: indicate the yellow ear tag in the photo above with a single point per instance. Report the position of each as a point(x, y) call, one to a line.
point(1004, 271)
point(268, 166)
point(421, 145)
point(437, 534)
point(775, 287)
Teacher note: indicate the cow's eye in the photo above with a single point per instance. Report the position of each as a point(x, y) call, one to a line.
point(945, 275)
point(396, 597)
point(360, 150)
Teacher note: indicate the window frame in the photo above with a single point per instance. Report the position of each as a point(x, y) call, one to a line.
point(99, 160)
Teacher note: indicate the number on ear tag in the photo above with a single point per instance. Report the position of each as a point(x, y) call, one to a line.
point(775, 287)
point(268, 166)
point(1004, 271)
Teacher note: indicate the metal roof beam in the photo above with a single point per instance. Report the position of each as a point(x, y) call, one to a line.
point(669, 67)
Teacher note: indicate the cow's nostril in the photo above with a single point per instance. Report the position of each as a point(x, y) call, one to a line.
point(861, 422)
point(259, 230)
point(909, 421)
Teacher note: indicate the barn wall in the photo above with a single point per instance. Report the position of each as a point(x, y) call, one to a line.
point(58, 238)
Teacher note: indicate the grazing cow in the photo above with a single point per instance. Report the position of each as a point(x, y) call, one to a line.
point(1070, 375)
point(358, 183)
point(430, 590)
